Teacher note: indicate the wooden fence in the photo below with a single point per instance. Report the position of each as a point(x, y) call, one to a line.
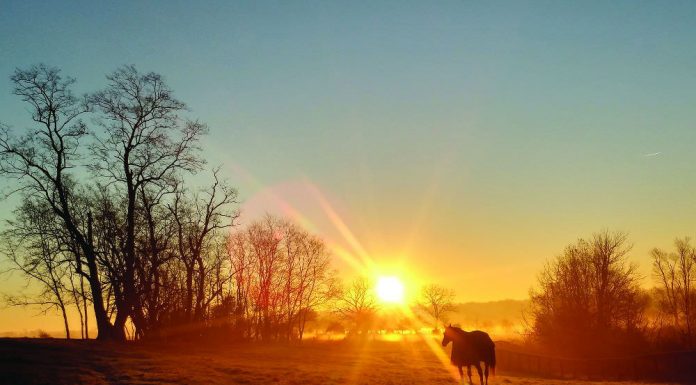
point(672, 366)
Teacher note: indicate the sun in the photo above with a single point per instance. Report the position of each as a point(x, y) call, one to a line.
point(390, 290)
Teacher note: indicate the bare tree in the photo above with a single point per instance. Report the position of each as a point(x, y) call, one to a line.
point(196, 223)
point(675, 273)
point(80, 299)
point(154, 244)
point(41, 160)
point(148, 248)
point(35, 249)
point(437, 301)
point(357, 304)
point(242, 260)
point(144, 143)
point(315, 283)
point(590, 296)
point(281, 275)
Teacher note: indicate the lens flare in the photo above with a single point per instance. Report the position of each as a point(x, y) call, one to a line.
point(389, 289)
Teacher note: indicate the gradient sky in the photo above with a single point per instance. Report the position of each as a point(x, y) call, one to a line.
point(460, 142)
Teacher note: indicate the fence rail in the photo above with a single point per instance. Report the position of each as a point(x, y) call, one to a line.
point(672, 366)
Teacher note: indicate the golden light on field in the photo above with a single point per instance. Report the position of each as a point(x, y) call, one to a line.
point(396, 283)
point(390, 290)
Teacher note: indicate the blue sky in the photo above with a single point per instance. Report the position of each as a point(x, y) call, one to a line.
point(474, 137)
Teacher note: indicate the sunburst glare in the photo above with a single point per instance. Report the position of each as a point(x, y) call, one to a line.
point(390, 290)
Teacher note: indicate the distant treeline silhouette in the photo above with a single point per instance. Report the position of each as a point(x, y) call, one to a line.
point(589, 302)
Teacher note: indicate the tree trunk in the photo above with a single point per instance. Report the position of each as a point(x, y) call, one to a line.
point(84, 306)
point(105, 330)
point(65, 319)
point(201, 289)
point(129, 293)
point(189, 292)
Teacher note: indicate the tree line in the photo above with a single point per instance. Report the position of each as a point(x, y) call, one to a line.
point(109, 224)
point(589, 301)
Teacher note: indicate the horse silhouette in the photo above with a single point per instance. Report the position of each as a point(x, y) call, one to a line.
point(470, 348)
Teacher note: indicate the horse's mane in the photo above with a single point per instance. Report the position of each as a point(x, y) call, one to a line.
point(457, 329)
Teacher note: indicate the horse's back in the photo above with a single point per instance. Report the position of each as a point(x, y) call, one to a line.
point(480, 338)
point(473, 347)
point(483, 344)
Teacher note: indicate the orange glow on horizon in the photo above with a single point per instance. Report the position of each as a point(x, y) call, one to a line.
point(395, 284)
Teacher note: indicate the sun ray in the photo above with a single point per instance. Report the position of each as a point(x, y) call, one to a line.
point(340, 225)
point(359, 259)
point(430, 196)
point(362, 262)
point(433, 345)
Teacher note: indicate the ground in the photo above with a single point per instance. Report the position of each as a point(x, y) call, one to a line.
point(36, 361)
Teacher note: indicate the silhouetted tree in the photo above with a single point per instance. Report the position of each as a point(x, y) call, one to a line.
point(197, 221)
point(41, 161)
point(588, 300)
point(144, 145)
point(36, 248)
point(357, 305)
point(675, 273)
point(150, 250)
point(281, 275)
point(437, 301)
point(335, 327)
point(118, 232)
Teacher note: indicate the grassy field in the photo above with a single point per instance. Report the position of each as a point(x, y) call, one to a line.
point(36, 361)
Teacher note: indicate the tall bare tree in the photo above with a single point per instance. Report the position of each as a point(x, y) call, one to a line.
point(590, 296)
point(437, 301)
point(281, 275)
point(41, 161)
point(144, 143)
point(357, 304)
point(196, 222)
point(35, 246)
point(676, 274)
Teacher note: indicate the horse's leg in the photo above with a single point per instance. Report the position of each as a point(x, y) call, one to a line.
point(480, 373)
point(485, 371)
point(461, 374)
point(468, 373)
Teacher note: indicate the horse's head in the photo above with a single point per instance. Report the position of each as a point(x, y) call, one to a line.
point(448, 335)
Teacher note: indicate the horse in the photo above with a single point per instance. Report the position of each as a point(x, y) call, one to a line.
point(470, 348)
